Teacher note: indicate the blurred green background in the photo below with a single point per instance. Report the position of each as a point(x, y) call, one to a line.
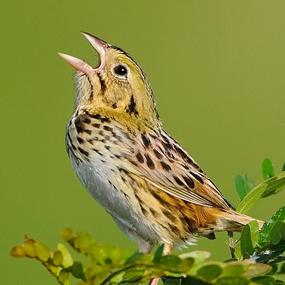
point(218, 72)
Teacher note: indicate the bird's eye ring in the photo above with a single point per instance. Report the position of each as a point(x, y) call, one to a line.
point(120, 70)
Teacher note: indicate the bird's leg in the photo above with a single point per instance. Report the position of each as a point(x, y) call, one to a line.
point(232, 244)
point(154, 281)
point(166, 250)
point(145, 246)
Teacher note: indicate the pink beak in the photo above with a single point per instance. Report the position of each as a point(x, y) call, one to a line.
point(82, 66)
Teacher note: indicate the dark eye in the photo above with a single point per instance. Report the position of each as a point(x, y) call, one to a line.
point(120, 70)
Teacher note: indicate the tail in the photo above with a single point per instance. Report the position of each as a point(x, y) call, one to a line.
point(232, 221)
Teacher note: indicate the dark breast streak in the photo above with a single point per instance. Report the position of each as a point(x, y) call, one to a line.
point(93, 133)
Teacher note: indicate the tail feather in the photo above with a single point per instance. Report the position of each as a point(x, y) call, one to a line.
point(234, 222)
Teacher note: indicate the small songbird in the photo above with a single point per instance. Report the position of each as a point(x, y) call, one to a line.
point(154, 190)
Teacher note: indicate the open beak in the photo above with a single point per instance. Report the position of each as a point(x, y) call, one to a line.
point(100, 45)
point(80, 65)
point(76, 63)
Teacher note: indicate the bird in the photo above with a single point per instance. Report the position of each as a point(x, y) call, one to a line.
point(154, 190)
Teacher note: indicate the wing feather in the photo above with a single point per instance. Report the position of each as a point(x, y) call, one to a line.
point(169, 168)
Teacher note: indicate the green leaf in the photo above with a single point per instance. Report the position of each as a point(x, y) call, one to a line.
point(57, 258)
point(67, 260)
point(172, 281)
point(274, 185)
point(283, 167)
point(82, 242)
point(185, 264)
point(189, 280)
point(235, 280)
point(251, 198)
point(254, 232)
point(282, 268)
point(209, 272)
point(169, 261)
point(267, 168)
point(158, 253)
point(29, 247)
point(77, 270)
point(249, 239)
point(133, 275)
point(109, 255)
point(277, 233)
point(198, 255)
point(18, 251)
point(264, 280)
point(267, 235)
point(256, 269)
point(233, 269)
point(42, 251)
point(63, 277)
point(67, 234)
point(134, 258)
point(242, 186)
point(264, 189)
point(246, 244)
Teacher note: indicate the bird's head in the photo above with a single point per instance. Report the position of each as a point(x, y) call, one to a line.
point(117, 87)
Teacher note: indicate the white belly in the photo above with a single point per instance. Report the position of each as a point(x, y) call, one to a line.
point(97, 177)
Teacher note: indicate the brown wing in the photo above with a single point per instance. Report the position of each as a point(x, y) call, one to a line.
point(163, 163)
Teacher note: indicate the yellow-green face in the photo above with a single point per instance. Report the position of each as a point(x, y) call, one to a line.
point(116, 85)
